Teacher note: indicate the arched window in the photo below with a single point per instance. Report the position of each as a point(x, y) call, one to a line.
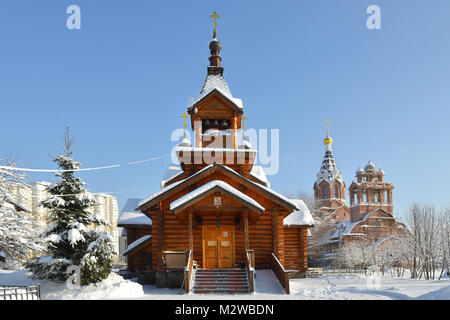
point(365, 197)
point(386, 197)
point(336, 195)
point(376, 197)
point(325, 195)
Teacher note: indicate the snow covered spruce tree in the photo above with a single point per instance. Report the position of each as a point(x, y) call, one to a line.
point(18, 232)
point(75, 236)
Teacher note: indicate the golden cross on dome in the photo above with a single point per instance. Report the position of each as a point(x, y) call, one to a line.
point(215, 16)
point(327, 121)
point(184, 116)
point(243, 125)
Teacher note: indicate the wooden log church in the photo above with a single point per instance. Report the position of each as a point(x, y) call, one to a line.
point(216, 220)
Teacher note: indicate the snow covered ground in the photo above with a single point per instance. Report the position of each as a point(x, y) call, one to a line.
point(341, 287)
point(114, 287)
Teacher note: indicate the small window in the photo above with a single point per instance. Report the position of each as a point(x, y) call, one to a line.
point(325, 192)
point(376, 198)
point(336, 195)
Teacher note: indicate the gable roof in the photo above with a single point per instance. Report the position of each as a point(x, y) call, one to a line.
point(171, 173)
point(138, 244)
point(157, 196)
point(192, 196)
point(301, 217)
point(215, 83)
point(129, 216)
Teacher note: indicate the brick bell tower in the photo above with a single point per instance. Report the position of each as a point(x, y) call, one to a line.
point(329, 188)
point(370, 192)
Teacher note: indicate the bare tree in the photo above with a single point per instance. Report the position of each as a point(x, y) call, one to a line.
point(18, 233)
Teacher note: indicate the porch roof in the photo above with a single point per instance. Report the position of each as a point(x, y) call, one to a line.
point(138, 244)
point(157, 196)
point(212, 186)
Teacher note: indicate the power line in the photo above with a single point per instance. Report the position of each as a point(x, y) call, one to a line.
point(84, 169)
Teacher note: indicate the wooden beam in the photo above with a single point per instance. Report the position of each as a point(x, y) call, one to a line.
point(235, 128)
point(246, 233)
point(160, 218)
point(191, 231)
point(275, 235)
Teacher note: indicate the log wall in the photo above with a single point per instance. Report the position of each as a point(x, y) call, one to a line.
point(296, 255)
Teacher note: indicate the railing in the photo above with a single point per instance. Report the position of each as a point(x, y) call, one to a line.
point(188, 271)
point(127, 274)
point(8, 292)
point(250, 266)
point(280, 273)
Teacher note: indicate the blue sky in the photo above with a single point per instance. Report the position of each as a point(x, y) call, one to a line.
point(122, 81)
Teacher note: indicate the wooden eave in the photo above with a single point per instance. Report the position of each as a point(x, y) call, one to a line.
point(215, 91)
point(138, 248)
point(254, 212)
point(136, 226)
point(229, 172)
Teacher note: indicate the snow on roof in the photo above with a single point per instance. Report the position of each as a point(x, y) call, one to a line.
point(165, 189)
point(301, 217)
point(328, 170)
point(348, 226)
point(345, 228)
point(258, 173)
point(136, 243)
point(380, 241)
point(215, 82)
point(2, 254)
point(210, 185)
point(169, 187)
point(11, 200)
point(171, 172)
point(129, 216)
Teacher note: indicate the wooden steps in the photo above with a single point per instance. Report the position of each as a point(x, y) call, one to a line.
point(223, 281)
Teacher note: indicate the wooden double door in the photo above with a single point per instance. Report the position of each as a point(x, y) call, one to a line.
point(218, 246)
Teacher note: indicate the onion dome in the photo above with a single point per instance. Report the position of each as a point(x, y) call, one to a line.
point(185, 142)
point(380, 171)
point(370, 167)
point(328, 140)
point(214, 45)
point(359, 171)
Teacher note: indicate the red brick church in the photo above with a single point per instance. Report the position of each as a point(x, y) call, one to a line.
point(216, 221)
point(370, 215)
